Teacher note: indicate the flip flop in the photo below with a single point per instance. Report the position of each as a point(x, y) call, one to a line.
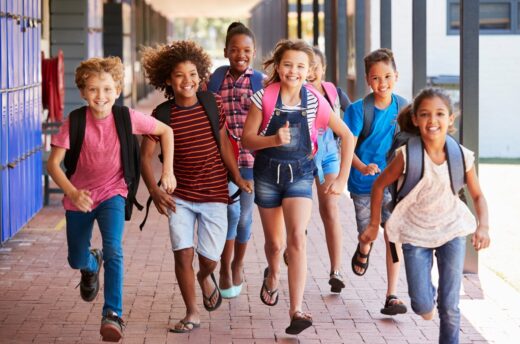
point(185, 327)
point(393, 306)
point(269, 292)
point(207, 299)
point(356, 262)
point(299, 322)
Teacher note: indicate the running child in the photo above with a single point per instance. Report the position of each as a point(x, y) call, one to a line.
point(431, 218)
point(283, 127)
point(203, 156)
point(97, 189)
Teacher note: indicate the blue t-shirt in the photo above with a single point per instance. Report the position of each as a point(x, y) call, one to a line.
point(375, 146)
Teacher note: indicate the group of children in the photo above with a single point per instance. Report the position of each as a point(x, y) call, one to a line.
point(270, 137)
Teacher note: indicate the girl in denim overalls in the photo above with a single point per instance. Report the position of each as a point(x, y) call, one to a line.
point(284, 166)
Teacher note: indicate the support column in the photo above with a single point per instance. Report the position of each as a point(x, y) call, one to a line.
point(299, 18)
point(386, 24)
point(419, 45)
point(330, 40)
point(469, 96)
point(315, 22)
point(360, 46)
point(342, 44)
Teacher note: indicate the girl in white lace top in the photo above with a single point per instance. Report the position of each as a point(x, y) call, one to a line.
point(431, 218)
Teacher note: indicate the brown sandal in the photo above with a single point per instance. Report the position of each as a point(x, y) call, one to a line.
point(299, 322)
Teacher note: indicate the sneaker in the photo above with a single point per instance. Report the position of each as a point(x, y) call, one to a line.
point(89, 284)
point(111, 327)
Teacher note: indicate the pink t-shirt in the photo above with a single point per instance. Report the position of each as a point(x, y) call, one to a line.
point(99, 168)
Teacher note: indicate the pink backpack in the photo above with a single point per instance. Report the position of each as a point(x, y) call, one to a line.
point(322, 117)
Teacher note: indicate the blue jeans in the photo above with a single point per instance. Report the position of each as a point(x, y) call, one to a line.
point(110, 216)
point(450, 262)
point(240, 213)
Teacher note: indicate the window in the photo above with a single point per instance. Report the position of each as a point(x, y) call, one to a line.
point(496, 17)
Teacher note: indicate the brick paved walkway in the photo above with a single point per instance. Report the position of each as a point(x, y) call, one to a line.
point(39, 302)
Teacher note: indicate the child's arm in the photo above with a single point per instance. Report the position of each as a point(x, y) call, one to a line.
point(251, 139)
point(347, 151)
point(161, 199)
point(365, 169)
point(165, 134)
point(389, 175)
point(480, 238)
point(80, 198)
point(228, 157)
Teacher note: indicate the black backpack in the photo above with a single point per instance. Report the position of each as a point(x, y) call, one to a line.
point(163, 113)
point(130, 152)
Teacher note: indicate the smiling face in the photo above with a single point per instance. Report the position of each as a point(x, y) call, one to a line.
point(184, 80)
point(100, 93)
point(381, 78)
point(316, 72)
point(293, 68)
point(433, 118)
point(240, 52)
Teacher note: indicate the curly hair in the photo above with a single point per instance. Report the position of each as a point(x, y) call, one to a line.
point(276, 57)
point(159, 62)
point(97, 65)
point(380, 55)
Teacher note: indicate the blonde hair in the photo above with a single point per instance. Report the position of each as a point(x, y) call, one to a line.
point(94, 66)
point(276, 57)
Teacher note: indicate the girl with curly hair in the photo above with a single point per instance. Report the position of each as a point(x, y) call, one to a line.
point(202, 161)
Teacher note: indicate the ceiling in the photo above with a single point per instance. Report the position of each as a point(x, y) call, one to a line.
point(203, 8)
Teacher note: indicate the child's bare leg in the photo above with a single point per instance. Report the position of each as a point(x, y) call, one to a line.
point(206, 267)
point(238, 262)
point(330, 216)
point(392, 269)
point(225, 281)
point(297, 211)
point(273, 225)
point(186, 279)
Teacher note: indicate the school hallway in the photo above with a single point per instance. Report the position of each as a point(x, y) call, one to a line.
point(40, 304)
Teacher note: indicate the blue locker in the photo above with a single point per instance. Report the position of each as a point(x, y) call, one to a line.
point(26, 31)
point(4, 180)
point(37, 35)
point(12, 156)
point(9, 46)
point(38, 155)
point(28, 133)
point(3, 46)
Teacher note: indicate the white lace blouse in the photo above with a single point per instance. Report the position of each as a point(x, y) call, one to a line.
point(431, 215)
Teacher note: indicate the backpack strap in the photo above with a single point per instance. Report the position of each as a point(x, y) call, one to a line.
point(268, 103)
point(414, 166)
point(77, 125)
point(124, 133)
point(209, 103)
point(331, 91)
point(257, 81)
point(217, 78)
point(456, 164)
point(322, 116)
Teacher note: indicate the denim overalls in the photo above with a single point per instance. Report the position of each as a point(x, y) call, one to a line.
point(285, 171)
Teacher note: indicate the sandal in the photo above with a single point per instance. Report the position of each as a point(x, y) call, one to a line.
point(185, 327)
point(299, 322)
point(206, 300)
point(356, 262)
point(267, 291)
point(393, 306)
point(336, 282)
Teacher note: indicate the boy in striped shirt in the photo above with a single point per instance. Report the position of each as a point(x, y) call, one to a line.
point(201, 169)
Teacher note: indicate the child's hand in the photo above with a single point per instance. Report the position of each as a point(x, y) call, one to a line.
point(168, 182)
point(336, 187)
point(283, 136)
point(371, 169)
point(81, 199)
point(245, 185)
point(480, 238)
point(162, 201)
point(369, 234)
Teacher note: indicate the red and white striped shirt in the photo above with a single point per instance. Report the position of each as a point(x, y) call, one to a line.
point(197, 165)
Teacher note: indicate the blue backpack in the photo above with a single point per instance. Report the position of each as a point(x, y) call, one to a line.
point(216, 79)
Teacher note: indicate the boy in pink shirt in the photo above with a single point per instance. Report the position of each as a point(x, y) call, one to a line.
point(96, 189)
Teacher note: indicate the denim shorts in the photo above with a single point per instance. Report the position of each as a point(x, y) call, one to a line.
point(278, 179)
point(211, 218)
point(362, 208)
point(329, 164)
